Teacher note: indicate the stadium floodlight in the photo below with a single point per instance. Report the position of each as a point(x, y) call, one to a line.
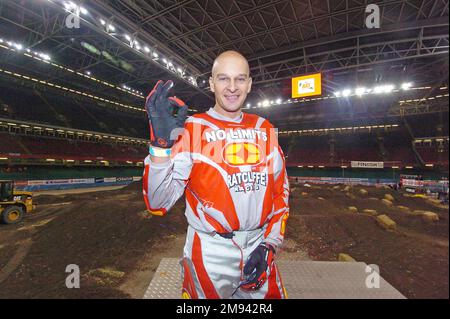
point(259, 104)
point(406, 86)
point(1, 40)
point(128, 37)
point(102, 22)
point(360, 91)
point(169, 63)
point(18, 46)
point(146, 49)
point(265, 103)
point(88, 72)
point(346, 92)
point(388, 88)
point(180, 70)
point(278, 101)
point(337, 94)
point(69, 5)
point(83, 10)
point(378, 89)
point(111, 28)
point(155, 55)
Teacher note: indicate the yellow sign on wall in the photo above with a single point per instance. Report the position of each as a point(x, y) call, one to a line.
point(307, 85)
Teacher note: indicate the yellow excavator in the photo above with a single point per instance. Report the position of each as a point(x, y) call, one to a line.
point(14, 203)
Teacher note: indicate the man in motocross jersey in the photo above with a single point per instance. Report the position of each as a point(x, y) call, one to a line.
point(232, 171)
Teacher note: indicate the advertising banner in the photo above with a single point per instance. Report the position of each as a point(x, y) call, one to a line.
point(124, 179)
point(360, 164)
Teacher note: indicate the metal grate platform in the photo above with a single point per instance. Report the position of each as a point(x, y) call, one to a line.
point(302, 280)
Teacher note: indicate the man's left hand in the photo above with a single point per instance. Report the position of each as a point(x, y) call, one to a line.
point(257, 269)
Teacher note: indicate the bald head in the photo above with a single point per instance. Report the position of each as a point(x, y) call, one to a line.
point(230, 82)
point(230, 57)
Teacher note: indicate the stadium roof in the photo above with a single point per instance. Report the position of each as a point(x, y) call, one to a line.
point(131, 43)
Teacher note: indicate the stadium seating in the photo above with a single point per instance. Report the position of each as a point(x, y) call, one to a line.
point(399, 149)
point(65, 111)
point(311, 150)
point(428, 125)
point(44, 147)
point(48, 108)
point(392, 148)
point(25, 105)
point(434, 153)
point(357, 147)
point(9, 144)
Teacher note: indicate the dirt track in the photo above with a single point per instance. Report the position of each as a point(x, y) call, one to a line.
point(107, 234)
point(118, 247)
point(413, 258)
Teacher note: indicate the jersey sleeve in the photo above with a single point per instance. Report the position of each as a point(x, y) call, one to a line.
point(164, 183)
point(274, 234)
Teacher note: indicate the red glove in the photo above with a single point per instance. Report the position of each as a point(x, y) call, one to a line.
point(258, 266)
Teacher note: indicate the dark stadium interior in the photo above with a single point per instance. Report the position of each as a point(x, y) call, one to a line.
point(273, 59)
point(72, 99)
point(323, 34)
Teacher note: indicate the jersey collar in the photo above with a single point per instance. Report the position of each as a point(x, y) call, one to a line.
point(211, 112)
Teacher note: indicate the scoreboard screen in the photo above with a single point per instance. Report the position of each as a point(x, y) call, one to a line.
point(307, 85)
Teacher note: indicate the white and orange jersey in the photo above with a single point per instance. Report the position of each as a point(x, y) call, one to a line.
point(233, 174)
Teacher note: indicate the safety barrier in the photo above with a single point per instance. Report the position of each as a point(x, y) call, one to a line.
point(341, 180)
point(58, 184)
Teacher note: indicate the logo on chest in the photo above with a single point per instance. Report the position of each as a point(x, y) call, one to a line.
point(245, 153)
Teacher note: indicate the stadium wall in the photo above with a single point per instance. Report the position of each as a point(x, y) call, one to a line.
point(391, 174)
point(56, 172)
point(59, 184)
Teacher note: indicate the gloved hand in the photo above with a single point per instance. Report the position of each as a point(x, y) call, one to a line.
point(258, 266)
point(162, 120)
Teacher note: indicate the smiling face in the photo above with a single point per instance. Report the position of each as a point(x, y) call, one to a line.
point(231, 82)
